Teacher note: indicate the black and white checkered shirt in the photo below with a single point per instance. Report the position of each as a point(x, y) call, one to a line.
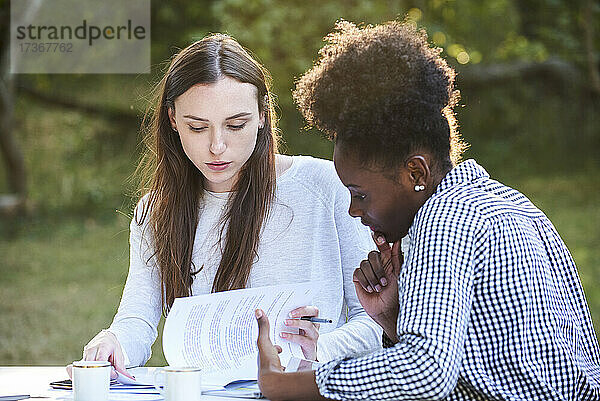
point(491, 307)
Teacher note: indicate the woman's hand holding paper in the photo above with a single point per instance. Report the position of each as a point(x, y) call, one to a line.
point(308, 331)
point(273, 382)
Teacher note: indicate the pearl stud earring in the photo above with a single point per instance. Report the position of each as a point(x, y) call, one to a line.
point(419, 188)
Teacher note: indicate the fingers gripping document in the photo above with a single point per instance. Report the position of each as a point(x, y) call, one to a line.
point(218, 332)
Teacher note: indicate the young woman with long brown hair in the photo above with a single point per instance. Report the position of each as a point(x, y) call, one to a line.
point(222, 211)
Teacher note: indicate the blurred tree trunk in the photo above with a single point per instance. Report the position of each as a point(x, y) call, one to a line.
point(9, 148)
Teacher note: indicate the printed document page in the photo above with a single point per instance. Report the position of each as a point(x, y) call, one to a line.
point(217, 332)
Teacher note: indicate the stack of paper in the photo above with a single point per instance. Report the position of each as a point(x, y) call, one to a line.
point(218, 332)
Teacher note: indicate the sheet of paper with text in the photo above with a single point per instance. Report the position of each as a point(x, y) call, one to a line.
point(218, 332)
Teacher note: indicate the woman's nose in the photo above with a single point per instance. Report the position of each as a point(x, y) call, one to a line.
point(354, 211)
point(217, 144)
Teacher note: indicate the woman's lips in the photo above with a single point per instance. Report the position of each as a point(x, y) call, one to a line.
point(368, 224)
point(373, 227)
point(218, 166)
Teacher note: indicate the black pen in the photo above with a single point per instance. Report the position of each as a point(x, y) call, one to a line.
point(315, 319)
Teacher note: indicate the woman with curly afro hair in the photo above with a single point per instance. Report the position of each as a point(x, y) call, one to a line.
point(485, 301)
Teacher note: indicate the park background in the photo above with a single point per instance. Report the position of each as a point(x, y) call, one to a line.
point(528, 71)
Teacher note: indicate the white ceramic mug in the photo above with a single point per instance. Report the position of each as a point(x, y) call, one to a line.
point(180, 383)
point(91, 380)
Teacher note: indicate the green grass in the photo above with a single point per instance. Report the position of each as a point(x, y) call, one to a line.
point(62, 269)
point(61, 282)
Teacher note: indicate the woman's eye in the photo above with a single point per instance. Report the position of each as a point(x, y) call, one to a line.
point(237, 126)
point(359, 196)
point(197, 129)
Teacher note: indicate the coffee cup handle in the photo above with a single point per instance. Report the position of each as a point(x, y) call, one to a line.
point(155, 382)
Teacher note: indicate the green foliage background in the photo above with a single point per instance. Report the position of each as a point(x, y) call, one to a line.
point(62, 267)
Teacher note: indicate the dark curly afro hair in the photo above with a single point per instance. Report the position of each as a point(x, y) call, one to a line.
point(384, 93)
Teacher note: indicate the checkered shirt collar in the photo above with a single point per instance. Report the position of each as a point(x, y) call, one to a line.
point(467, 171)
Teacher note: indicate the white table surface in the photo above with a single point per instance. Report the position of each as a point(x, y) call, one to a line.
point(35, 381)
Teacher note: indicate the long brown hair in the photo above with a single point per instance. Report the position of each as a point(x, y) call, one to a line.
point(175, 186)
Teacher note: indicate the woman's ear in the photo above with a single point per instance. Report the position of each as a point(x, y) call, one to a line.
point(261, 120)
point(262, 116)
point(171, 112)
point(419, 171)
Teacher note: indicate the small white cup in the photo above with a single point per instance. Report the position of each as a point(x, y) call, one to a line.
point(91, 380)
point(180, 383)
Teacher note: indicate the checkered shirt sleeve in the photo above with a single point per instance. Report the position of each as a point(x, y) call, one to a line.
point(490, 307)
